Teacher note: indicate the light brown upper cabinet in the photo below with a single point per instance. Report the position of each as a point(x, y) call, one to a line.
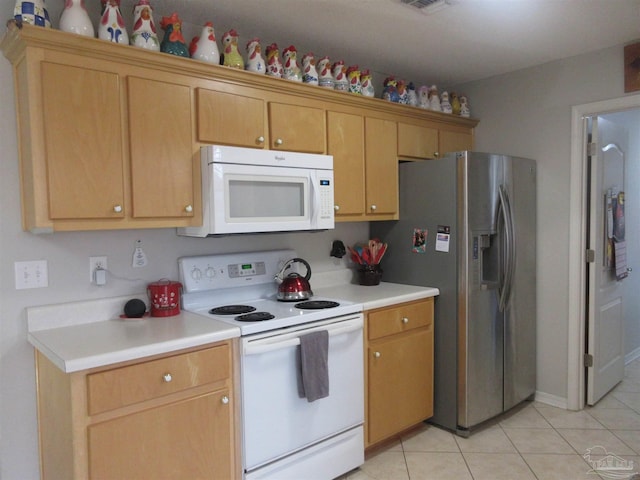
point(296, 128)
point(426, 142)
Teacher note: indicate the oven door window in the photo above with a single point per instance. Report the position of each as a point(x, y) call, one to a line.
point(267, 198)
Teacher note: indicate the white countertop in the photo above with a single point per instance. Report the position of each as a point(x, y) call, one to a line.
point(81, 335)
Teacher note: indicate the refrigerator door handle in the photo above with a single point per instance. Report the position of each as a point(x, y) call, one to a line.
point(509, 248)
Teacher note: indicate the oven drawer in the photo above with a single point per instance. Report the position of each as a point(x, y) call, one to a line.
point(111, 389)
point(399, 318)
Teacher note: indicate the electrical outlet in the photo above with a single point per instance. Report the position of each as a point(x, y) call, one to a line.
point(96, 262)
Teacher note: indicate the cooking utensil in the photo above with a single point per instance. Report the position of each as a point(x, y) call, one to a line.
point(294, 287)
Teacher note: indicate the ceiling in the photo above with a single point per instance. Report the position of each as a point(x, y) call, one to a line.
point(465, 41)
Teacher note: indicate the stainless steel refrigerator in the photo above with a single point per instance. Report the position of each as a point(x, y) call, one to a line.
point(468, 226)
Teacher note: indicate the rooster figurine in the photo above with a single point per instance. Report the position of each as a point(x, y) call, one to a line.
point(367, 83)
point(434, 99)
point(291, 69)
point(309, 72)
point(423, 97)
point(445, 105)
point(111, 26)
point(274, 65)
point(325, 77)
point(255, 62)
point(403, 95)
point(353, 77)
point(231, 56)
point(464, 107)
point(204, 47)
point(340, 76)
point(173, 41)
point(144, 29)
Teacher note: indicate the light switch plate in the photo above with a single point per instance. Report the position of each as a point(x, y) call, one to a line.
point(31, 274)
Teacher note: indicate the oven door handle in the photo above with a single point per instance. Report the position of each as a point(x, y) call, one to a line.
point(270, 344)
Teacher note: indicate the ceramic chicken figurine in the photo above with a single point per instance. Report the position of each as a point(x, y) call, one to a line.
point(290, 64)
point(353, 77)
point(403, 95)
point(144, 33)
point(339, 72)
point(366, 81)
point(325, 77)
point(412, 95)
point(423, 97)
point(390, 91)
point(445, 105)
point(255, 62)
point(173, 42)
point(455, 103)
point(464, 107)
point(75, 19)
point(33, 12)
point(231, 55)
point(205, 47)
point(434, 99)
point(111, 26)
point(274, 65)
point(309, 71)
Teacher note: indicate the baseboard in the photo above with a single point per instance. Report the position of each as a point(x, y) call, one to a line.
point(552, 400)
point(631, 356)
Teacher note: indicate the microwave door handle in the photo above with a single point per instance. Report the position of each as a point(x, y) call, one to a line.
point(315, 198)
point(268, 344)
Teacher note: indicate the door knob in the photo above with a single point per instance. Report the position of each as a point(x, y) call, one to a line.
point(167, 377)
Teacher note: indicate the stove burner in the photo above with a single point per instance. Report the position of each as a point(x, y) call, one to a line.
point(316, 304)
point(231, 310)
point(255, 317)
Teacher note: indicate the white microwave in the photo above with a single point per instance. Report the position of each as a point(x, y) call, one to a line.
point(246, 190)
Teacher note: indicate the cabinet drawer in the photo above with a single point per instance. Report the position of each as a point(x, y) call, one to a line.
point(400, 318)
point(143, 381)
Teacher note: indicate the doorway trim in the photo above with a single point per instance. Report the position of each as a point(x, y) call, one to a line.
point(578, 241)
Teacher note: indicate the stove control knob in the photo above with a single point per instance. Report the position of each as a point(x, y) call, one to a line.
point(225, 400)
point(210, 272)
point(196, 273)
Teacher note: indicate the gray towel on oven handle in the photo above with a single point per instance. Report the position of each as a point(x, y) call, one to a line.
point(312, 371)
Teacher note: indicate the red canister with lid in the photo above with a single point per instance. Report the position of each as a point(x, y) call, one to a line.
point(164, 298)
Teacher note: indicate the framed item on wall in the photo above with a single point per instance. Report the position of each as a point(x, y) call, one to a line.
point(632, 67)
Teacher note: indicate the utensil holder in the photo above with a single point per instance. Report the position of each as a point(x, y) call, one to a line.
point(369, 275)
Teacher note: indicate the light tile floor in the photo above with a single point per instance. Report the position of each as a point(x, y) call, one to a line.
point(535, 441)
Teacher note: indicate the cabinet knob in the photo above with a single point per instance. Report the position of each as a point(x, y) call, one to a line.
point(405, 320)
point(377, 354)
point(279, 141)
point(436, 154)
point(188, 208)
point(260, 139)
point(225, 400)
point(374, 207)
point(117, 208)
point(167, 377)
point(336, 207)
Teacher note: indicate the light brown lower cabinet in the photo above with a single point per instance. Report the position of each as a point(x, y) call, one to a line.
point(399, 368)
point(171, 417)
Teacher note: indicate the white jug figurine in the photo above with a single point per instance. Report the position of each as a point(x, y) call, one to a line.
point(309, 72)
point(291, 69)
point(144, 33)
point(205, 47)
point(75, 19)
point(111, 26)
point(255, 62)
point(325, 77)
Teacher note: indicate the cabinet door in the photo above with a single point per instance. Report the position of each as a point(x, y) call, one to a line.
point(162, 149)
point(381, 167)
point(400, 383)
point(230, 119)
point(296, 128)
point(188, 439)
point(415, 141)
point(83, 137)
point(455, 141)
point(345, 141)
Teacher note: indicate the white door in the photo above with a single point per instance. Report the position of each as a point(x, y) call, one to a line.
point(605, 335)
